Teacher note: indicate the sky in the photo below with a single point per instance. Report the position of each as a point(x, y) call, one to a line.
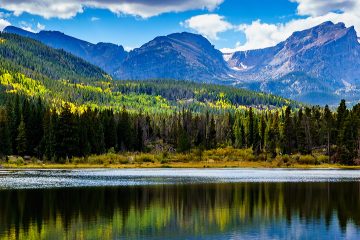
point(230, 25)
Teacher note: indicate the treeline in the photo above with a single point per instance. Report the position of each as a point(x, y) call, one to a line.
point(30, 128)
point(174, 90)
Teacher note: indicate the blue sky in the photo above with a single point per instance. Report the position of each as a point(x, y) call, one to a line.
point(229, 24)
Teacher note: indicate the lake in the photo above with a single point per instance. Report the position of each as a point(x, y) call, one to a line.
point(180, 204)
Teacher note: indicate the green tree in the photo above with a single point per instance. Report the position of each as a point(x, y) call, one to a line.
point(211, 136)
point(49, 141)
point(272, 136)
point(251, 128)
point(348, 150)
point(288, 133)
point(328, 123)
point(5, 138)
point(257, 140)
point(66, 134)
point(341, 115)
point(124, 131)
point(21, 140)
point(184, 144)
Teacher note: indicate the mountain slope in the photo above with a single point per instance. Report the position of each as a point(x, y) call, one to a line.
point(35, 70)
point(105, 55)
point(182, 56)
point(321, 60)
point(320, 65)
point(20, 54)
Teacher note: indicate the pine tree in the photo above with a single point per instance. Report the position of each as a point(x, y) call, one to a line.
point(272, 136)
point(124, 131)
point(21, 140)
point(98, 138)
point(340, 119)
point(184, 143)
point(211, 136)
point(84, 144)
point(348, 148)
point(139, 140)
point(301, 133)
point(262, 132)
point(109, 126)
point(257, 140)
point(242, 134)
point(48, 141)
point(15, 122)
point(66, 135)
point(288, 133)
point(328, 124)
point(251, 129)
point(5, 138)
point(308, 131)
point(238, 143)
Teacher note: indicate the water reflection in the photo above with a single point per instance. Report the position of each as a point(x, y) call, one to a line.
point(231, 210)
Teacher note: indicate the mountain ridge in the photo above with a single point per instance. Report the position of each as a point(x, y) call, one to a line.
point(107, 56)
point(328, 54)
point(182, 56)
point(322, 60)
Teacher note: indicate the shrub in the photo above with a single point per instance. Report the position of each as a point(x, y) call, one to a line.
point(307, 159)
point(283, 160)
point(322, 159)
point(16, 160)
point(230, 154)
point(145, 158)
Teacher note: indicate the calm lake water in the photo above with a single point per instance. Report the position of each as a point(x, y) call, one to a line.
point(180, 204)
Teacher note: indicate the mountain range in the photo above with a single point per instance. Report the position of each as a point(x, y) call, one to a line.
point(319, 65)
point(34, 70)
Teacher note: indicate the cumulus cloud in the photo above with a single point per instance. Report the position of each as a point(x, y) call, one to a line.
point(209, 25)
point(3, 24)
point(261, 35)
point(69, 8)
point(29, 27)
point(322, 7)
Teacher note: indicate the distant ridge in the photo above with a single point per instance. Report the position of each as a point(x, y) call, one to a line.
point(321, 61)
point(319, 65)
point(107, 56)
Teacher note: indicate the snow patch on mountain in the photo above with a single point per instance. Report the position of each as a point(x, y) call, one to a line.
point(227, 56)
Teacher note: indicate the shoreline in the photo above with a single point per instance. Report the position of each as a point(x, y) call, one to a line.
point(175, 165)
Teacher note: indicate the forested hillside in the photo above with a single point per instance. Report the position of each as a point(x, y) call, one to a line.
point(29, 128)
point(319, 65)
point(36, 60)
point(30, 68)
point(54, 106)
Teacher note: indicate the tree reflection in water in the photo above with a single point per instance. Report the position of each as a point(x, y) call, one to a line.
point(274, 209)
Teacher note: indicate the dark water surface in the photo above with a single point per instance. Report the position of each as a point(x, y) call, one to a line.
point(180, 204)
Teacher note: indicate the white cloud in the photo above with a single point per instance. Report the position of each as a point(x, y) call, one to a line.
point(3, 24)
point(69, 8)
point(40, 26)
point(94, 19)
point(29, 27)
point(322, 7)
point(261, 35)
point(209, 25)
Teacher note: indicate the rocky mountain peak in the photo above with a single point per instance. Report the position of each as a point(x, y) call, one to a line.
point(182, 56)
point(322, 59)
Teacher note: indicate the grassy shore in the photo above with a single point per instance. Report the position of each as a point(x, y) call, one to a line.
point(219, 158)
